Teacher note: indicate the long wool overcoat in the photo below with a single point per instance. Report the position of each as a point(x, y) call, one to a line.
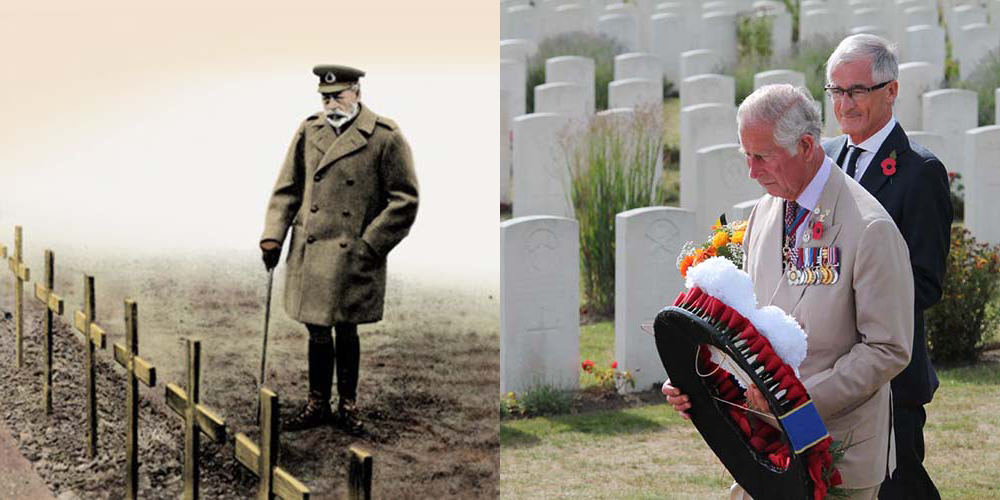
point(348, 200)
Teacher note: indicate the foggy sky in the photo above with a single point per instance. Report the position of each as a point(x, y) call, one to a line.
point(162, 129)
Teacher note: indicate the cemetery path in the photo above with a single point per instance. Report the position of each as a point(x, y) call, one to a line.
point(18, 478)
point(427, 389)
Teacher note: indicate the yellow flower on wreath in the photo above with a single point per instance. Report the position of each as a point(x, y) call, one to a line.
point(720, 239)
point(738, 237)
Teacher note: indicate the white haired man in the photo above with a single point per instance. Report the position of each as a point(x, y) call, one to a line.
point(859, 327)
point(347, 193)
point(861, 75)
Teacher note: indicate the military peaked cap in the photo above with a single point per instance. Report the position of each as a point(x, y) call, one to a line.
point(334, 78)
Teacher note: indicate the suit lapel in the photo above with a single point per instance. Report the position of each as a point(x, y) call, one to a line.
point(874, 179)
point(838, 152)
point(827, 201)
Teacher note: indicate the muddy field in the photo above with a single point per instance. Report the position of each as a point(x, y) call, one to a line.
point(427, 389)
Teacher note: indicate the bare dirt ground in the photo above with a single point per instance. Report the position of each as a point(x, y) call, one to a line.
point(427, 388)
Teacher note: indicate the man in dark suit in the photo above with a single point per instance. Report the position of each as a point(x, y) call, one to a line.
point(912, 186)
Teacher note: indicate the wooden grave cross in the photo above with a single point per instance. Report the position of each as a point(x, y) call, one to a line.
point(53, 305)
point(359, 474)
point(139, 370)
point(21, 274)
point(197, 418)
point(93, 336)
point(263, 461)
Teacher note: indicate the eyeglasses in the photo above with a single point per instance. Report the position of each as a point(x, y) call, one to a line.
point(854, 92)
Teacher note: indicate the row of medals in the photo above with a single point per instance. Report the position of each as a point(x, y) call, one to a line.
point(826, 272)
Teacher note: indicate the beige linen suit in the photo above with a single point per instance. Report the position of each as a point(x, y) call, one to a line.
point(859, 329)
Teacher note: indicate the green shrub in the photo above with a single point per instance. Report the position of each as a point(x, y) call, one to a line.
point(956, 325)
point(612, 165)
point(601, 48)
point(753, 37)
point(537, 400)
point(808, 58)
point(957, 189)
point(984, 81)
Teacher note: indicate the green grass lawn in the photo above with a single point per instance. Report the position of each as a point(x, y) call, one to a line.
point(648, 452)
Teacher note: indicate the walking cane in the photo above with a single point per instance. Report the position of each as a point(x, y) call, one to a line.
point(263, 347)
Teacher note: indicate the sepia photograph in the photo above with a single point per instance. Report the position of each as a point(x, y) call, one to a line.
point(247, 250)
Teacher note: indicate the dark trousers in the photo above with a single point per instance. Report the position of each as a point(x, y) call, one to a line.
point(324, 355)
point(910, 480)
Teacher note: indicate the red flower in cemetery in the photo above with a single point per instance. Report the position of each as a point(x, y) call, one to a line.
point(588, 365)
point(614, 365)
point(889, 164)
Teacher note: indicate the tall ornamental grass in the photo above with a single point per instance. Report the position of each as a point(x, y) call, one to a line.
point(984, 81)
point(613, 168)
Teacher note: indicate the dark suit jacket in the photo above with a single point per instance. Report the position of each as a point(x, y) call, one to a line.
point(918, 198)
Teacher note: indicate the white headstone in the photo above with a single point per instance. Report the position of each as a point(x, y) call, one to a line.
point(704, 89)
point(924, 43)
point(775, 76)
point(830, 126)
point(915, 78)
point(647, 242)
point(770, 6)
point(921, 15)
point(964, 15)
point(723, 180)
point(699, 62)
point(996, 105)
point(513, 80)
point(504, 147)
point(982, 183)
point(633, 92)
point(517, 49)
point(971, 44)
point(819, 23)
point(562, 97)
point(702, 125)
point(931, 141)
point(742, 210)
point(638, 65)
point(868, 16)
point(668, 38)
point(718, 33)
point(880, 31)
point(541, 174)
point(781, 34)
point(622, 28)
point(573, 69)
point(524, 21)
point(949, 113)
point(570, 18)
point(540, 297)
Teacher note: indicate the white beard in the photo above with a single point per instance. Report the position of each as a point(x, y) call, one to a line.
point(338, 119)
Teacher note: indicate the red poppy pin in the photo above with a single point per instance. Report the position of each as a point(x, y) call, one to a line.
point(889, 164)
point(817, 230)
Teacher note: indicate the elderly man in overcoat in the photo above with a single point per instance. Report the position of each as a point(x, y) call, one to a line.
point(347, 194)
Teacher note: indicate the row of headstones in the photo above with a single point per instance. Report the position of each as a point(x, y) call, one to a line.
point(921, 107)
point(198, 419)
point(540, 280)
point(670, 34)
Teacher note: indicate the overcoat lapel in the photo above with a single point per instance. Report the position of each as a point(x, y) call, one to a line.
point(351, 140)
point(874, 179)
point(828, 200)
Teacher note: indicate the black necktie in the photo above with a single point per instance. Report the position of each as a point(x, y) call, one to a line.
point(853, 152)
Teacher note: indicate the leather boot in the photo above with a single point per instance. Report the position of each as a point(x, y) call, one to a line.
point(316, 411)
point(348, 359)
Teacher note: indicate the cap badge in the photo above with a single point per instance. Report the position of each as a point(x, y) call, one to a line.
point(329, 77)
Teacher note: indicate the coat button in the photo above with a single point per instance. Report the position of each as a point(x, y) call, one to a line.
point(311, 239)
point(317, 177)
point(343, 244)
point(350, 182)
point(346, 213)
point(314, 209)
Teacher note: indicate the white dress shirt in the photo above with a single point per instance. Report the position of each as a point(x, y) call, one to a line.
point(871, 146)
point(810, 195)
